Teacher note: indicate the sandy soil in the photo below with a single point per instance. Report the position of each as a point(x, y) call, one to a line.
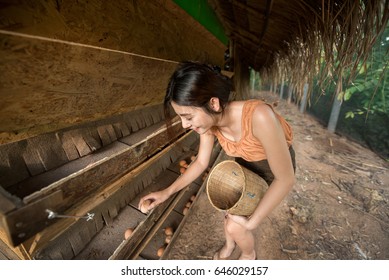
point(338, 208)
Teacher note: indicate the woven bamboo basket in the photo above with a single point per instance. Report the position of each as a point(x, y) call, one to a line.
point(235, 189)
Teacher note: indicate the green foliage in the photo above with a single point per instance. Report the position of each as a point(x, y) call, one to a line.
point(369, 91)
point(364, 115)
point(255, 79)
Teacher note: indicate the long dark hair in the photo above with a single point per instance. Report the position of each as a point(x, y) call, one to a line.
point(194, 84)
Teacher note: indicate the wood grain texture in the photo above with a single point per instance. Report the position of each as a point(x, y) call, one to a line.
point(48, 85)
point(34, 156)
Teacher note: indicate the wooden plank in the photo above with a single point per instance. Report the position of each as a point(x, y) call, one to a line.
point(133, 124)
point(154, 111)
point(2, 256)
point(99, 223)
point(82, 147)
point(30, 244)
point(140, 121)
point(92, 139)
point(24, 222)
point(113, 210)
point(12, 167)
point(49, 149)
point(111, 132)
point(32, 160)
point(121, 129)
point(104, 135)
point(107, 219)
point(76, 241)
point(148, 120)
point(8, 202)
point(68, 146)
point(78, 233)
point(157, 115)
point(63, 251)
point(11, 253)
point(134, 138)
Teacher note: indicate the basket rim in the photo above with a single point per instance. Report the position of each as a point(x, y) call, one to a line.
point(210, 175)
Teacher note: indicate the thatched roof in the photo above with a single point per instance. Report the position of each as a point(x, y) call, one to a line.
point(288, 38)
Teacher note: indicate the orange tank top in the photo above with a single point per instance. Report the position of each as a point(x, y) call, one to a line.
point(249, 147)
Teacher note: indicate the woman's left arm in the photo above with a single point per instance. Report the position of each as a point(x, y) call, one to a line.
point(268, 130)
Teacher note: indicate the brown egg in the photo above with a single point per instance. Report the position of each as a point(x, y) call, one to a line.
point(186, 165)
point(192, 158)
point(182, 163)
point(168, 239)
point(193, 197)
point(160, 251)
point(182, 170)
point(144, 208)
point(185, 211)
point(169, 231)
point(188, 204)
point(128, 233)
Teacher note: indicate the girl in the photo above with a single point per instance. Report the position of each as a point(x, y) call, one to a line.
point(251, 131)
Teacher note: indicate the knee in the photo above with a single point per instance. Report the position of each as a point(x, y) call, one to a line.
point(233, 228)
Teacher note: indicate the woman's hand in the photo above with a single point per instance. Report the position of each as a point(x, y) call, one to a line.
point(156, 199)
point(241, 220)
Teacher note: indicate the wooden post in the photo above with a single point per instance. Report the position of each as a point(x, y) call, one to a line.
point(290, 91)
point(303, 103)
point(336, 106)
point(282, 89)
point(258, 78)
point(252, 79)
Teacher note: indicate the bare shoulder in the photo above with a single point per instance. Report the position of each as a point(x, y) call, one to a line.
point(266, 126)
point(263, 113)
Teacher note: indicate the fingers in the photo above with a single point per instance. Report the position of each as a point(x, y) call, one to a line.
point(154, 200)
point(147, 202)
point(143, 199)
point(241, 220)
point(237, 219)
point(152, 205)
point(141, 202)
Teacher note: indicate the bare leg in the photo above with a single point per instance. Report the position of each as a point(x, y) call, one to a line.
point(242, 237)
point(229, 246)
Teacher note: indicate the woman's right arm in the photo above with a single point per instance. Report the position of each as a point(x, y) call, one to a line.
point(194, 170)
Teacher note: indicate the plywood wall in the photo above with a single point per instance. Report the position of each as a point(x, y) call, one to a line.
point(64, 63)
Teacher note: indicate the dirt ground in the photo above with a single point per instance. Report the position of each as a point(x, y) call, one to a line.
point(338, 208)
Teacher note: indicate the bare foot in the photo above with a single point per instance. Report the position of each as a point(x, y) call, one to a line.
point(251, 256)
point(225, 252)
